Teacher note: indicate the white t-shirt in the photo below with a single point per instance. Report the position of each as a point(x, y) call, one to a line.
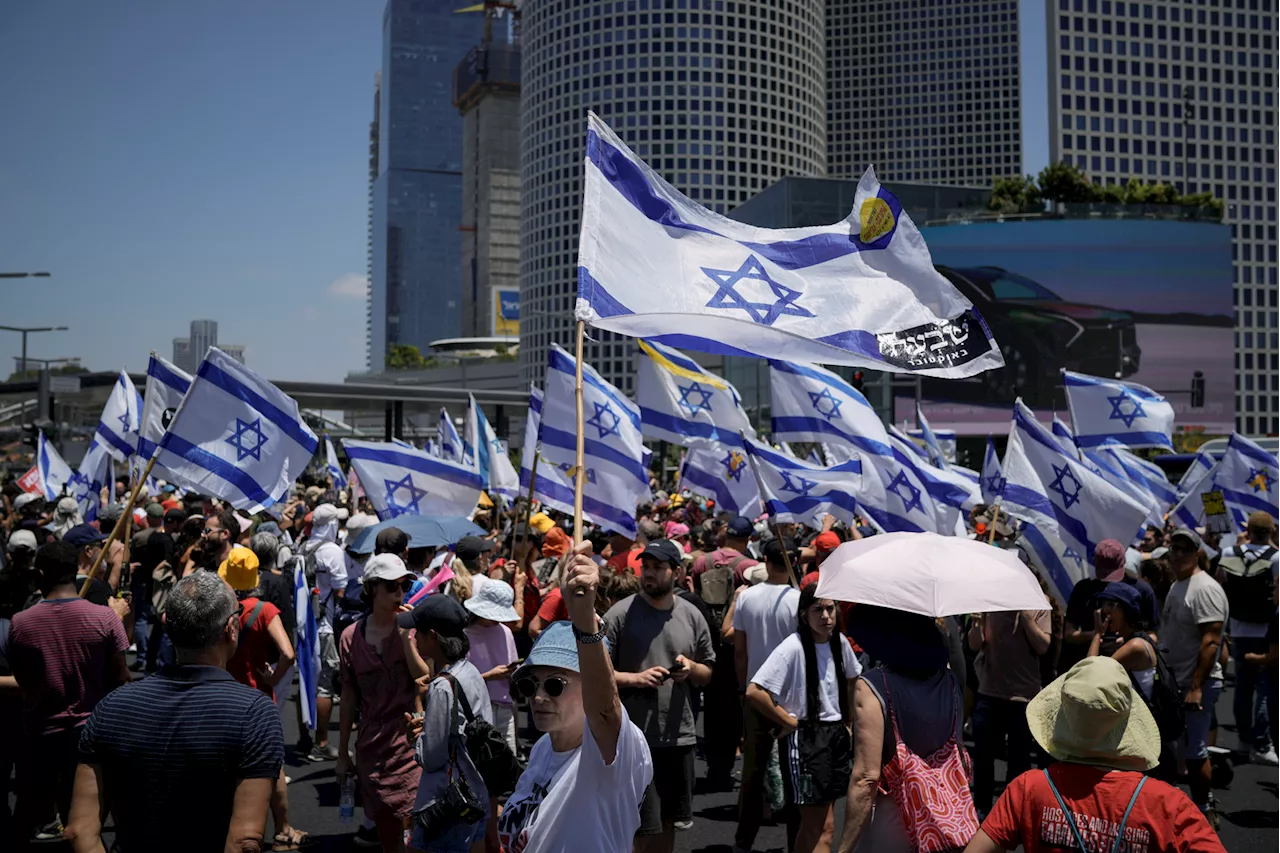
point(331, 574)
point(573, 801)
point(783, 676)
point(767, 613)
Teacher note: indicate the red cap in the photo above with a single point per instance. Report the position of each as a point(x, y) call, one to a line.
point(826, 542)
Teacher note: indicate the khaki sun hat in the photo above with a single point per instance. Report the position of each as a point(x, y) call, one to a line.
point(1091, 715)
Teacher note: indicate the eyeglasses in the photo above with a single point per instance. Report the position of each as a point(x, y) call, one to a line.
point(527, 687)
point(402, 585)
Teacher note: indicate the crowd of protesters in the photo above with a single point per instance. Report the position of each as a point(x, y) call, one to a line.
point(612, 648)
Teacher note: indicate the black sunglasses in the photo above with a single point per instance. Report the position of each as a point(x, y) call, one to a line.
point(527, 687)
point(402, 585)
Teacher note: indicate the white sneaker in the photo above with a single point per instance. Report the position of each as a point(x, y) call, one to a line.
point(1269, 758)
point(683, 825)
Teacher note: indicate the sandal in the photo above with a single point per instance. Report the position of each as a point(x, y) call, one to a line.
point(293, 839)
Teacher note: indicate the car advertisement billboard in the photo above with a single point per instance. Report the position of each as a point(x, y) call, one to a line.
point(506, 312)
point(1148, 300)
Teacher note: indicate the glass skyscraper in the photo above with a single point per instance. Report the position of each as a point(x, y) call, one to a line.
point(415, 249)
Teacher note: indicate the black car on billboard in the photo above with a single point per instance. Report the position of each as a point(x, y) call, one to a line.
point(1040, 333)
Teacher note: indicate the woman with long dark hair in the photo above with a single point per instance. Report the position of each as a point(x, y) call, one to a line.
point(806, 687)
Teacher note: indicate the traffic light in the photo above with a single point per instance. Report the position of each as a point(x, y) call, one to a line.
point(1197, 390)
point(857, 380)
point(31, 435)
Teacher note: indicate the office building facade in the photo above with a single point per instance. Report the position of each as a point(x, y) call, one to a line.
point(722, 97)
point(923, 91)
point(417, 194)
point(1183, 93)
point(188, 352)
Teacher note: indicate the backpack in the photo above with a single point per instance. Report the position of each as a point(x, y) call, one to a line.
point(1249, 585)
point(486, 747)
point(1165, 703)
point(715, 587)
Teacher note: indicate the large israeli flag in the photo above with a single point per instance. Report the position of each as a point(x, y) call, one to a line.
point(332, 464)
point(952, 492)
point(1057, 493)
point(992, 475)
point(723, 473)
point(166, 386)
point(54, 472)
point(1061, 565)
point(407, 481)
point(121, 417)
point(1246, 476)
point(236, 436)
point(616, 477)
point(810, 403)
point(308, 646)
point(1150, 475)
point(552, 485)
point(896, 496)
point(490, 455)
point(1109, 411)
point(451, 446)
point(792, 490)
point(681, 402)
point(1113, 472)
point(653, 264)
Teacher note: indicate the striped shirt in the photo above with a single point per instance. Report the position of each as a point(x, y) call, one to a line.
point(60, 651)
point(182, 738)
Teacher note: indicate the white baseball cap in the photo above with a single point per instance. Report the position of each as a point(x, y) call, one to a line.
point(22, 539)
point(385, 567)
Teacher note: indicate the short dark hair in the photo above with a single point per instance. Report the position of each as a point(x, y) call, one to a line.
point(57, 563)
point(227, 520)
point(453, 648)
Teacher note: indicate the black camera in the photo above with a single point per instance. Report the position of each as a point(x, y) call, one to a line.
point(455, 805)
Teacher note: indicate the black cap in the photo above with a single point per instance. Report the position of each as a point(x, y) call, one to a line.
point(470, 547)
point(664, 551)
point(83, 534)
point(391, 540)
point(773, 549)
point(438, 613)
point(740, 527)
point(175, 516)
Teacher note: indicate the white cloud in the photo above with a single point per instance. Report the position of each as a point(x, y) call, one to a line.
point(350, 286)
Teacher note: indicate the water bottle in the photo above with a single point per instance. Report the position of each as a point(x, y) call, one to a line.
point(347, 800)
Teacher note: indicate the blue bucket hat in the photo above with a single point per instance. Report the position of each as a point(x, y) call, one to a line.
point(556, 646)
point(1124, 595)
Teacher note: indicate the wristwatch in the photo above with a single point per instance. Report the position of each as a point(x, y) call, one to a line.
point(589, 639)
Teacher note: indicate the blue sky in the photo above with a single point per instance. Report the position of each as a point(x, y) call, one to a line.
point(170, 161)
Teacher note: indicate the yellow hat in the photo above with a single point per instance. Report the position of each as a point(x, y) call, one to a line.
point(541, 522)
point(240, 569)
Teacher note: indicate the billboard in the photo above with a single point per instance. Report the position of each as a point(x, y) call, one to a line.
point(1148, 300)
point(506, 312)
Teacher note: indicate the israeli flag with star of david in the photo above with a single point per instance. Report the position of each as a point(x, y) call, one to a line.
point(792, 490)
point(1050, 488)
point(1108, 411)
point(53, 470)
point(1064, 435)
point(722, 472)
point(617, 477)
point(332, 464)
point(1061, 565)
point(1199, 468)
point(937, 456)
point(1114, 473)
point(86, 484)
point(490, 455)
point(812, 404)
point(551, 485)
point(236, 436)
point(1147, 474)
point(653, 264)
point(992, 475)
point(121, 417)
point(951, 492)
point(451, 446)
point(407, 481)
point(166, 386)
point(1246, 476)
point(682, 402)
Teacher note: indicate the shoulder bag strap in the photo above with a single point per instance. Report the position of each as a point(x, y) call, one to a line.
point(253, 614)
point(1066, 812)
point(1115, 848)
point(459, 696)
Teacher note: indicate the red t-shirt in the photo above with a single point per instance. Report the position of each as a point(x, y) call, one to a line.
point(553, 607)
point(1163, 818)
point(629, 561)
point(255, 645)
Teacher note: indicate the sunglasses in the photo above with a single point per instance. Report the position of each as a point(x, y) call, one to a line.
point(527, 687)
point(402, 585)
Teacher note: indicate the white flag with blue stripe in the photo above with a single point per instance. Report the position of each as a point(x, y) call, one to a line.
point(432, 447)
point(552, 486)
point(1199, 468)
point(407, 481)
point(617, 479)
point(86, 484)
point(932, 447)
point(332, 464)
point(236, 436)
point(863, 291)
point(1109, 468)
point(1050, 488)
point(682, 402)
point(723, 473)
point(450, 442)
point(308, 646)
point(121, 417)
point(1064, 435)
point(1150, 475)
point(496, 470)
point(792, 490)
point(1109, 411)
point(166, 386)
point(54, 472)
point(1246, 476)
point(951, 491)
point(992, 475)
point(810, 403)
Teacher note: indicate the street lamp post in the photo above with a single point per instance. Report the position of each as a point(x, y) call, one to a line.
point(26, 330)
point(24, 275)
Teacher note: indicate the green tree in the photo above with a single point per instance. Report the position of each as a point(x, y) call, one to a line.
point(1064, 183)
point(32, 373)
point(405, 357)
point(1016, 195)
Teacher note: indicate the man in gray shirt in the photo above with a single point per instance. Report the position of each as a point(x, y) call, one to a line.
point(661, 648)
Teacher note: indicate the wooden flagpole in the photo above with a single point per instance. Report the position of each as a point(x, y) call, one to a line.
point(991, 538)
point(579, 468)
point(121, 523)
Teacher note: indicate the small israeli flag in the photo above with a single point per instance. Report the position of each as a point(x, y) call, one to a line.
point(937, 457)
point(166, 386)
point(86, 484)
point(948, 492)
point(1108, 411)
point(447, 434)
point(405, 481)
point(1111, 471)
point(1061, 565)
point(681, 402)
point(236, 436)
point(54, 472)
point(1150, 475)
point(121, 417)
point(1200, 466)
point(331, 462)
point(653, 264)
point(723, 473)
point(615, 457)
point(792, 490)
point(490, 455)
point(552, 486)
point(1064, 435)
point(308, 646)
point(1246, 476)
point(992, 475)
point(810, 403)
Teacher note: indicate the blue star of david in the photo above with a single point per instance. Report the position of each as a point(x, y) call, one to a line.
point(995, 484)
point(802, 488)
point(826, 404)
point(1130, 416)
point(237, 441)
point(80, 486)
point(124, 422)
point(764, 313)
point(734, 464)
point(1070, 554)
point(1065, 484)
point(1259, 480)
point(911, 499)
point(690, 406)
point(605, 420)
point(394, 507)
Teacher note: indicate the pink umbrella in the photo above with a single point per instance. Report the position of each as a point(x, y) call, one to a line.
point(929, 574)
